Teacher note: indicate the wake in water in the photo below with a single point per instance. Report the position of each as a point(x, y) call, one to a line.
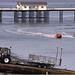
point(21, 31)
point(66, 35)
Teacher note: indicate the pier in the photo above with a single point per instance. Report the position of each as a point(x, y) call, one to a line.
point(34, 12)
point(33, 15)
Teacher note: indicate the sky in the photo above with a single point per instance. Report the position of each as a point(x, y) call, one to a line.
point(38, 0)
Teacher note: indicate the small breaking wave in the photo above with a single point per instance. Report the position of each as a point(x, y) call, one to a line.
point(11, 31)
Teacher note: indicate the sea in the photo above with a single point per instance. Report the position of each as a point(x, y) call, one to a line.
point(39, 38)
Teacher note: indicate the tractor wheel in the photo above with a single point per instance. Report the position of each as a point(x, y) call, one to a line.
point(6, 60)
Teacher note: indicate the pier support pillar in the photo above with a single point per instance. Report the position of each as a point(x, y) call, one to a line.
point(24, 14)
point(0, 16)
point(16, 14)
point(46, 16)
point(38, 16)
point(61, 16)
point(31, 16)
point(74, 16)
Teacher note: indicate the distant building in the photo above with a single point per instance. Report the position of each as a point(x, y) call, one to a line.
point(31, 5)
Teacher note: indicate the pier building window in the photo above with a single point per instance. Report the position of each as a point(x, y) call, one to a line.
point(42, 6)
point(25, 7)
point(31, 6)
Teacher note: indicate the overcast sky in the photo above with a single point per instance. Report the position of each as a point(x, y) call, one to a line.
point(39, 0)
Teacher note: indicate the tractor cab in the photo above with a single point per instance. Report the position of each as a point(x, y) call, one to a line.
point(5, 54)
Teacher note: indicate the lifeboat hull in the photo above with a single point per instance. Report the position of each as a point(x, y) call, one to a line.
point(58, 36)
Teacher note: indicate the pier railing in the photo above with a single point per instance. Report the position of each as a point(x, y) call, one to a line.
point(60, 9)
point(48, 9)
point(7, 6)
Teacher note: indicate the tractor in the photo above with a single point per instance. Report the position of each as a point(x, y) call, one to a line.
point(5, 55)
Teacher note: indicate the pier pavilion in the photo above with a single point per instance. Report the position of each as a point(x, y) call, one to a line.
point(31, 5)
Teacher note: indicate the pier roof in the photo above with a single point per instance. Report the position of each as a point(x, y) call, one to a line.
point(32, 3)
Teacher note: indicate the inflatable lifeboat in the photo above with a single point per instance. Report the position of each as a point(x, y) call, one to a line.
point(74, 35)
point(58, 36)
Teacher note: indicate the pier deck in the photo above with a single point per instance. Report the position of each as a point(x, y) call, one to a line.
point(32, 9)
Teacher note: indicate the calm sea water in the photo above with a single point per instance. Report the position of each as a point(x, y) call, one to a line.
point(38, 38)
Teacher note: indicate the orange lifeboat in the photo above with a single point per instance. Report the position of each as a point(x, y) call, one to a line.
point(58, 36)
point(74, 35)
